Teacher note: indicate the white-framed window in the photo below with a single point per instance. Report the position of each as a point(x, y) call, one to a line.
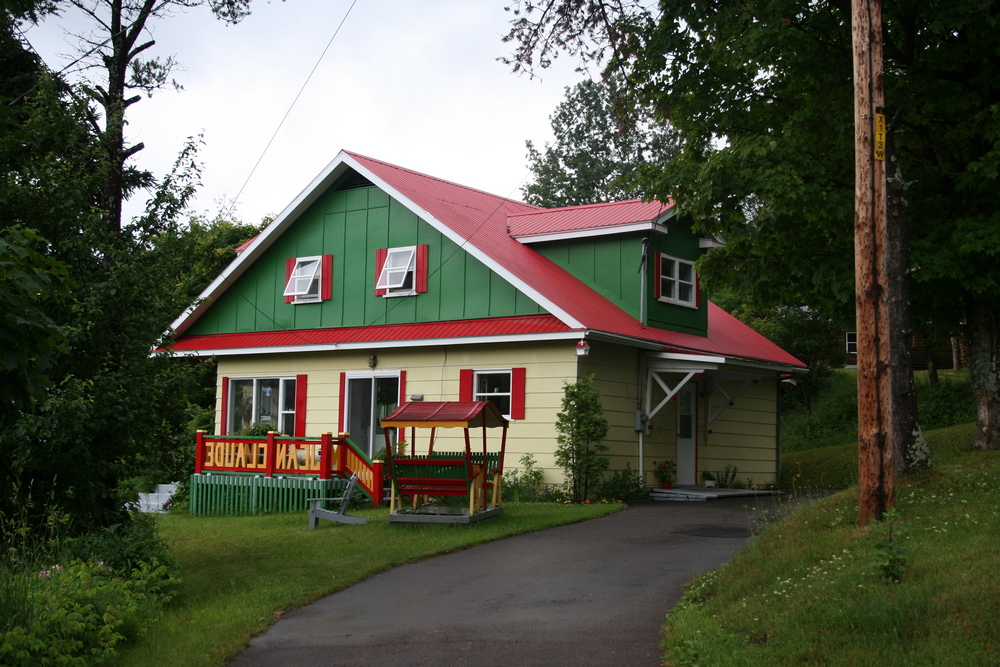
point(493, 386)
point(262, 400)
point(851, 342)
point(307, 279)
point(504, 387)
point(677, 281)
point(398, 273)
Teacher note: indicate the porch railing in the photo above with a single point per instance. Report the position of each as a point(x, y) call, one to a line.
point(324, 458)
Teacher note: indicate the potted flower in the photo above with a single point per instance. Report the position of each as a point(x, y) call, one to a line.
point(709, 479)
point(664, 472)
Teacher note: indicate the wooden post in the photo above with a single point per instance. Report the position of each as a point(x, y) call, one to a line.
point(342, 453)
point(875, 468)
point(270, 454)
point(378, 485)
point(199, 451)
point(325, 455)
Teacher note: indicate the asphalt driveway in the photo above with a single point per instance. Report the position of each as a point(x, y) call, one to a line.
point(592, 593)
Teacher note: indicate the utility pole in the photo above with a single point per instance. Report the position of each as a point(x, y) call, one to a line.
point(876, 473)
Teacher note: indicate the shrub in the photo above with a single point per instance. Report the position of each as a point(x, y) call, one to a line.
point(82, 612)
point(623, 485)
point(121, 546)
point(581, 426)
point(525, 485)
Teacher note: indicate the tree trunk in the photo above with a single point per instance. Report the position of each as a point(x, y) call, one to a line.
point(905, 436)
point(932, 373)
point(983, 323)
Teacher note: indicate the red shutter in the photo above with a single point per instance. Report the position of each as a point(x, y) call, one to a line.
point(380, 256)
point(289, 268)
point(343, 400)
point(697, 290)
point(517, 393)
point(465, 384)
point(421, 271)
point(224, 426)
point(402, 387)
point(656, 275)
point(326, 278)
point(300, 406)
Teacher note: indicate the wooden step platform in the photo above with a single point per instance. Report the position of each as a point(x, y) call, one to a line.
point(700, 493)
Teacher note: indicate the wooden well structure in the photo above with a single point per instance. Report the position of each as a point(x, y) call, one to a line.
point(427, 477)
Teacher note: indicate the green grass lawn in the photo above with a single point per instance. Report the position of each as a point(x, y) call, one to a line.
point(807, 591)
point(240, 573)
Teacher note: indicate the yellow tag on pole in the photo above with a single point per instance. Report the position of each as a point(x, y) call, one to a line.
point(880, 136)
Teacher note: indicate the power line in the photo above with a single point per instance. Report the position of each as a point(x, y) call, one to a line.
point(290, 107)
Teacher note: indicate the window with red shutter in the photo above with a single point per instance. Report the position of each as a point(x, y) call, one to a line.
point(401, 271)
point(308, 279)
point(504, 387)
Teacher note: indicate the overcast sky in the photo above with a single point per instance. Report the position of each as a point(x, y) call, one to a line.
point(417, 84)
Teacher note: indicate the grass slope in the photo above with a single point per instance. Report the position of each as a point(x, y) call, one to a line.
point(807, 592)
point(240, 573)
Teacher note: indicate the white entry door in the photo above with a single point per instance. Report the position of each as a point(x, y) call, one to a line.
point(687, 458)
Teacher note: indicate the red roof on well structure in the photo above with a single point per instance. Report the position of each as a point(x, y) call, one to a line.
point(460, 414)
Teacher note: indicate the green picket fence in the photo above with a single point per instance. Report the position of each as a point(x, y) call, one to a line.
point(236, 495)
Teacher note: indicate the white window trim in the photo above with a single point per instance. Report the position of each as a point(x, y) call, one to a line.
point(481, 396)
point(676, 281)
point(402, 261)
point(851, 342)
point(307, 276)
point(282, 383)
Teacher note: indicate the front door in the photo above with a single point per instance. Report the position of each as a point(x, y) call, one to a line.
point(369, 400)
point(687, 459)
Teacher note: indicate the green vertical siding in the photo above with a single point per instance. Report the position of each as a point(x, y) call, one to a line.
point(351, 225)
point(683, 243)
point(609, 264)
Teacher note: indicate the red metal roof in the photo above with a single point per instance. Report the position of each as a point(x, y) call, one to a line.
point(501, 326)
point(589, 217)
point(482, 219)
point(454, 414)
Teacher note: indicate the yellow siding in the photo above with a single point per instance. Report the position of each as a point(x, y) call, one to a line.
point(743, 435)
point(433, 372)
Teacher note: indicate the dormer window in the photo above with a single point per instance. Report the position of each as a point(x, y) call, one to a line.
point(308, 279)
point(401, 271)
point(677, 282)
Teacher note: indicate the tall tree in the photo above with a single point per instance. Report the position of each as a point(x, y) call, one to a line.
point(116, 50)
point(762, 96)
point(111, 412)
point(596, 147)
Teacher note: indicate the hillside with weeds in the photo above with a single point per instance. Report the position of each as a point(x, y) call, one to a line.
point(816, 589)
point(833, 418)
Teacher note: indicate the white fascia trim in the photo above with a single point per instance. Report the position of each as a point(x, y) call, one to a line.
point(464, 243)
point(774, 368)
point(257, 247)
point(589, 232)
point(704, 243)
point(394, 344)
point(693, 358)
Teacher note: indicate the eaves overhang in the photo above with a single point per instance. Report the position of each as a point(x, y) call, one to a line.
point(374, 345)
point(590, 232)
